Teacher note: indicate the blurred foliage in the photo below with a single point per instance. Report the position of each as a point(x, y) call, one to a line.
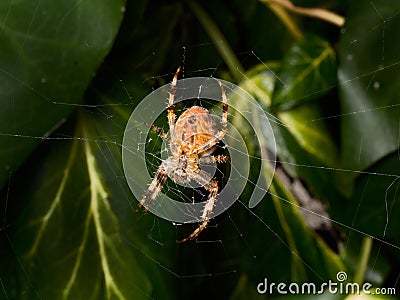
point(71, 74)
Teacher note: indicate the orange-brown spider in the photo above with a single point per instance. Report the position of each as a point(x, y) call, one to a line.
point(192, 140)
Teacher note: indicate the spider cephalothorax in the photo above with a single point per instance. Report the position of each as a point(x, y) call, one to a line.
point(192, 140)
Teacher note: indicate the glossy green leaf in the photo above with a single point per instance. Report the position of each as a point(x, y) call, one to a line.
point(369, 74)
point(375, 200)
point(48, 55)
point(294, 252)
point(301, 135)
point(77, 235)
point(307, 126)
point(308, 71)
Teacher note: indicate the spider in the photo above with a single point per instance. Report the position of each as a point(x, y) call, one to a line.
point(192, 140)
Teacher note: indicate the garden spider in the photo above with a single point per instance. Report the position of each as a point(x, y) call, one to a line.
point(192, 140)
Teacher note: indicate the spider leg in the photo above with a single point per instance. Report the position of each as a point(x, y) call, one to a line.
point(212, 187)
point(154, 189)
point(171, 99)
point(209, 159)
point(224, 122)
point(157, 130)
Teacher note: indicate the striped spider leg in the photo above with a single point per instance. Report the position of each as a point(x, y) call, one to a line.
point(192, 140)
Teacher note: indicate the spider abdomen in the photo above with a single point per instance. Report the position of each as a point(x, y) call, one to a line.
point(195, 127)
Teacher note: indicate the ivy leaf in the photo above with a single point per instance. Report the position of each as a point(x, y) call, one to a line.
point(48, 56)
point(77, 234)
point(301, 134)
point(369, 74)
point(293, 245)
point(308, 70)
point(306, 125)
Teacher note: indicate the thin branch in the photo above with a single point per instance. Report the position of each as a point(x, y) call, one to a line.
point(319, 13)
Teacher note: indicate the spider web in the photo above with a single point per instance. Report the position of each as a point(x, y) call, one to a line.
point(227, 231)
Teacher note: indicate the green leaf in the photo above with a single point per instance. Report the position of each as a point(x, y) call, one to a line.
point(303, 138)
point(375, 200)
point(308, 70)
point(301, 134)
point(307, 126)
point(292, 245)
point(77, 235)
point(369, 74)
point(49, 53)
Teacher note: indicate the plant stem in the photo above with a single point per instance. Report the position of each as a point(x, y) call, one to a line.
point(219, 41)
point(319, 13)
point(363, 261)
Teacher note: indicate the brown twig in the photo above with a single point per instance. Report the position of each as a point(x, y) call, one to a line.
point(319, 13)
